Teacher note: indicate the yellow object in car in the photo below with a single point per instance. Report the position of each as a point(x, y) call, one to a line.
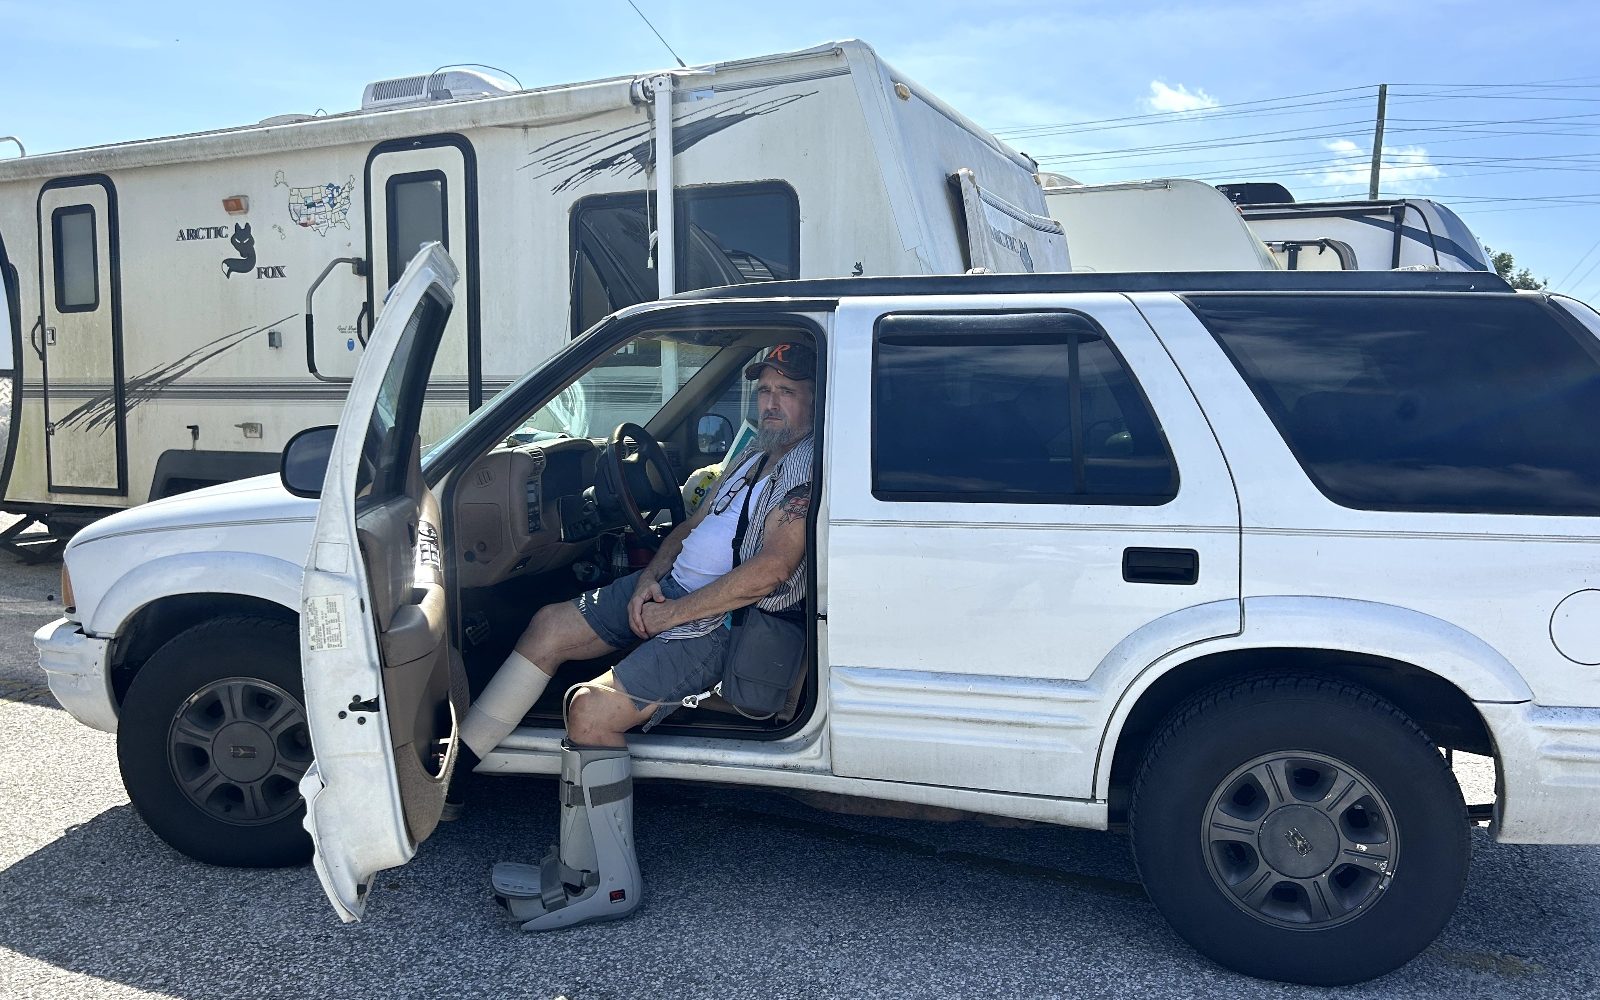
point(701, 482)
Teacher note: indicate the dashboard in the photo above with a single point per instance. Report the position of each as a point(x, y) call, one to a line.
point(523, 509)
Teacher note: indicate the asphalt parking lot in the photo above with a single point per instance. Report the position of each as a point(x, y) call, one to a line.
point(748, 894)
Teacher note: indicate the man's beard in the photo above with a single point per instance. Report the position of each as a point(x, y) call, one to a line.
point(773, 437)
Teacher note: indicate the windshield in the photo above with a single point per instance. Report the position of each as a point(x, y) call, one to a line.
point(630, 386)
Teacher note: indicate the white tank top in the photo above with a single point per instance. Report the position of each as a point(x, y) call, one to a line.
point(707, 553)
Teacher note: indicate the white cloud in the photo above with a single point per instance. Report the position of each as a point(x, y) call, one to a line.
point(1179, 98)
point(1401, 164)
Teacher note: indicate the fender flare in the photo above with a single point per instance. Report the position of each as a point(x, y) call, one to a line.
point(248, 574)
point(1447, 651)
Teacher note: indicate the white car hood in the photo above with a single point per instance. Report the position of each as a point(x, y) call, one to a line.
point(245, 501)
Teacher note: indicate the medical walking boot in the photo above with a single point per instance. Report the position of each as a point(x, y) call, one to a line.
point(593, 873)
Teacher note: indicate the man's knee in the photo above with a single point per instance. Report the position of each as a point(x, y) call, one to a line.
point(586, 707)
point(544, 620)
point(597, 715)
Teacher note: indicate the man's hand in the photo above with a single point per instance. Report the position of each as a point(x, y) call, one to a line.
point(645, 593)
point(655, 619)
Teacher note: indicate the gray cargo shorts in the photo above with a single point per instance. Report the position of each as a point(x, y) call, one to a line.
point(659, 670)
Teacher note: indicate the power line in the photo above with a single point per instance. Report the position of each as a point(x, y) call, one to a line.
point(1471, 210)
point(1182, 118)
point(1220, 143)
point(1506, 97)
point(1579, 264)
point(1580, 281)
point(1561, 84)
point(1195, 114)
point(647, 24)
point(1281, 106)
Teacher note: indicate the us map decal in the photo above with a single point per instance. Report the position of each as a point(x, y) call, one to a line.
point(319, 207)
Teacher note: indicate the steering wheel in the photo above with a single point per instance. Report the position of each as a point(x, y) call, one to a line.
point(651, 463)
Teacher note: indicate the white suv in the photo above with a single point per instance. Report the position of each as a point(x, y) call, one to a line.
point(1229, 558)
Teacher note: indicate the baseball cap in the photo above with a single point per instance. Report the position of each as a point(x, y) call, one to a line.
point(791, 360)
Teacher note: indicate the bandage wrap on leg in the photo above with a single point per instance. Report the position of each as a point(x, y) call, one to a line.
point(499, 709)
point(593, 873)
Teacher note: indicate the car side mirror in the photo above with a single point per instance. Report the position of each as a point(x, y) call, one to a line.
point(305, 461)
point(713, 434)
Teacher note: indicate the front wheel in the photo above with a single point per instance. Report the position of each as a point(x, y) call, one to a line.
point(212, 743)
point(1300, 829)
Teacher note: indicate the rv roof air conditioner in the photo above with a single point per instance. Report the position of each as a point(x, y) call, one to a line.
point(441, 85)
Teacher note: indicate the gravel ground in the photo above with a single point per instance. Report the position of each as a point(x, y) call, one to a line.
point(749, 894)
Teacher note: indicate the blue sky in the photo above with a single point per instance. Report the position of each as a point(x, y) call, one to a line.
point(1494, 108)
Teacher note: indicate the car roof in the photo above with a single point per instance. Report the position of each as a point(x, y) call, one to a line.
point(1139, 281)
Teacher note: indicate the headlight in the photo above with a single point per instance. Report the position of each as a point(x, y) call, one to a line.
point(66, 589)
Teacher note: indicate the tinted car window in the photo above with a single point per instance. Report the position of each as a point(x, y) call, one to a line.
point(1432, 403)
point(1011, 408)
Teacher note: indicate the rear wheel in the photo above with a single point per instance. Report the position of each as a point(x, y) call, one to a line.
point(1300, 829)
point(212, 743)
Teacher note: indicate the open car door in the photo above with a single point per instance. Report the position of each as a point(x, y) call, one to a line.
point(374, 638)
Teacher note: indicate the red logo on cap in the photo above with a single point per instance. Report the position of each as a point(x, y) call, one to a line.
point(778, 353)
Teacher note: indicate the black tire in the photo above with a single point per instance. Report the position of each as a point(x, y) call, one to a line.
point(212, 742)
point(1344, 869)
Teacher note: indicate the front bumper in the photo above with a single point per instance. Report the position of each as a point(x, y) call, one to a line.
point(1549, 773)
point(78, 669)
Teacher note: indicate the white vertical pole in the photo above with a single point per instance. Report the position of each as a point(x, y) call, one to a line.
point(666, 222)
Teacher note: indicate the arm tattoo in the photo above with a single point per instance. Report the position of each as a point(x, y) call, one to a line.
point(794, 509)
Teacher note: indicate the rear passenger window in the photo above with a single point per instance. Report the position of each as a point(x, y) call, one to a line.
point(1011, 408)
point(1428, 403)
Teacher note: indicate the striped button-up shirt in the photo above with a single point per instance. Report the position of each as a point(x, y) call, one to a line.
point(790, 477)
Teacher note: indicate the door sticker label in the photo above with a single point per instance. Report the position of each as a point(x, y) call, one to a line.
point(324, 618)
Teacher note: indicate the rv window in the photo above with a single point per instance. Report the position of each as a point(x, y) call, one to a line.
point(728, 234)
point(76, 263)
point(734, 236)
point(1023, 408)
point(417, 215)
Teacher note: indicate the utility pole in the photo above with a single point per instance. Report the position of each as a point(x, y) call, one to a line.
point(1377, 143)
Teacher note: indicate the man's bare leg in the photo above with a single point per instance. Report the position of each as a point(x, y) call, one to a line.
point(601, 712)
point(557, 633)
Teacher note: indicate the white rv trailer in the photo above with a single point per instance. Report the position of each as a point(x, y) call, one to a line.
point(180, 307)
point(1357, 235)
point(1167, 224)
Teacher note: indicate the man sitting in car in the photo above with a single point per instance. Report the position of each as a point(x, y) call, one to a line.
point(744, 546)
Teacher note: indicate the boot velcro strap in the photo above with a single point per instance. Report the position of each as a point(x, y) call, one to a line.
point(577, 877)
point(572, 795)
point(614, 792)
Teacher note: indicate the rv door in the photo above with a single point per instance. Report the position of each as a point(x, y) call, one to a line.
point(1003, 238)
point(374, 642)
point(79, 338)
point(422, 190)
